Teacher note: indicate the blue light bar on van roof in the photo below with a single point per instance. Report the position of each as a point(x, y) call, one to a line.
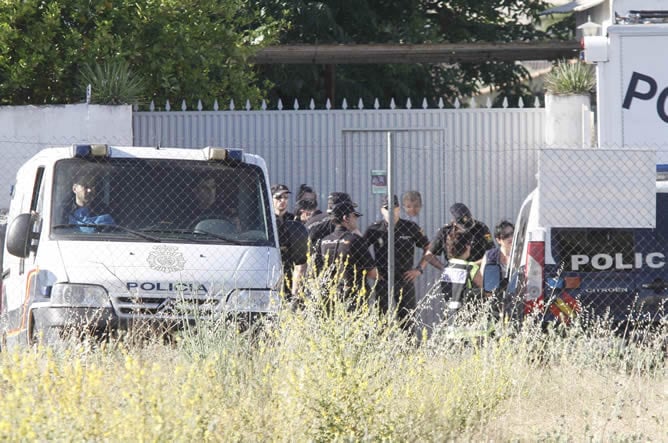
point(662, 173)
point(223, 154)
point(90, 151)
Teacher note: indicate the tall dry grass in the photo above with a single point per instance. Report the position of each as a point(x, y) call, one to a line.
point(323, 374)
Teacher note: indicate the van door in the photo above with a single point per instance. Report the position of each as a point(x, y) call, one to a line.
point(611, 270)
point(15, 294)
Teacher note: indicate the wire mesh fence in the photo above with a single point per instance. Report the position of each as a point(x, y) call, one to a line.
point(142, 233)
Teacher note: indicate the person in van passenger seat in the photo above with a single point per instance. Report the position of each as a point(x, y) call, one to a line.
point(503, 233)
point(208, 206)
point(205, 193)
point(83, 210)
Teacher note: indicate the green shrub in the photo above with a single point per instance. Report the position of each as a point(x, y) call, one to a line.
point(570, 78)
point(112, 83)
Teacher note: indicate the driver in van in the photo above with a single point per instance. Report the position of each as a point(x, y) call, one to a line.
point(83, 210)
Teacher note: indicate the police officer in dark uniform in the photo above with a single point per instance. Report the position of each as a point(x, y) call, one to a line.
point(407, 236)
point(292, 239)
point(321, 225)
point(347, 252)
point(280, 195)
point(462, 218)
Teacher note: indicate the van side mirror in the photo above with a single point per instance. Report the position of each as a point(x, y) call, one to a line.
point(491, 279)
point(20, 236)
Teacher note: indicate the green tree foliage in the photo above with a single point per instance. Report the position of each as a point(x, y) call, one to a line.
point(178, 49)
point(403, 21)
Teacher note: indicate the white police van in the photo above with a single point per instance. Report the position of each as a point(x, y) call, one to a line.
point(147, 250)
point(591, 238)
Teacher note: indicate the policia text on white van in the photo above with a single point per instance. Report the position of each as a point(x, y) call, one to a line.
point(601, 262)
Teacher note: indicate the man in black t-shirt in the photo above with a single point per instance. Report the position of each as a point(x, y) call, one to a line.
point(407, 236)
point(462, 218)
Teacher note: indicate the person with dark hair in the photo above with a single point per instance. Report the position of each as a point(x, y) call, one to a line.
point(280, 194)
point(307, 203)
point(347, 252)
point(462, 218)
point(321, 225)
point(460, 275)
point(503, 234)
point(290, 233)
point(83, 210)
point(407, 237)
point(305, 209)
point(208, 208)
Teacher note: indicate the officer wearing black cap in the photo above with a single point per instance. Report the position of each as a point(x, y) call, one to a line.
point(292, 238)
point(461, 217)
point(407, 236)
point(347, 251)
point(321, 225)
point(280, 194)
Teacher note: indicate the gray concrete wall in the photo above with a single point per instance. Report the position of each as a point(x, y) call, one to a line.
point(25, 130)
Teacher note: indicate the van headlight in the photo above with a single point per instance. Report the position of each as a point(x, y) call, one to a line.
point(253, 300)
point(68, 294)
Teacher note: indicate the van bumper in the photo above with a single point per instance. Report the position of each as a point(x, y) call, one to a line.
point(53, 321)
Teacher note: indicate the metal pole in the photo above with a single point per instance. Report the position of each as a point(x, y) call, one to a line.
point(390, 222)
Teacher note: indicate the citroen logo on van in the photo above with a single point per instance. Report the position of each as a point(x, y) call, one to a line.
point(166, 259)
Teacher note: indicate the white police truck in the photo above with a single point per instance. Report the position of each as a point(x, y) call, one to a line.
point(162, 235)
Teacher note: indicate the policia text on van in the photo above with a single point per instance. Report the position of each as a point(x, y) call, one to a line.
point(101, 237)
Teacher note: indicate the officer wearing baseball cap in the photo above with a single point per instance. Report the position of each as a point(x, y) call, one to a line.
point(347, 252)
point(292, 238)
point(280, 194)
point(321, 225)
point(462, 218)
point(407, 236)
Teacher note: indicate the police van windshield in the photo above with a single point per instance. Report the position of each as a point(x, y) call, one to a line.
point(161, 200)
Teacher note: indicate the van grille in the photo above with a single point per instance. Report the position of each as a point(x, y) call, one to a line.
point(164, 306)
